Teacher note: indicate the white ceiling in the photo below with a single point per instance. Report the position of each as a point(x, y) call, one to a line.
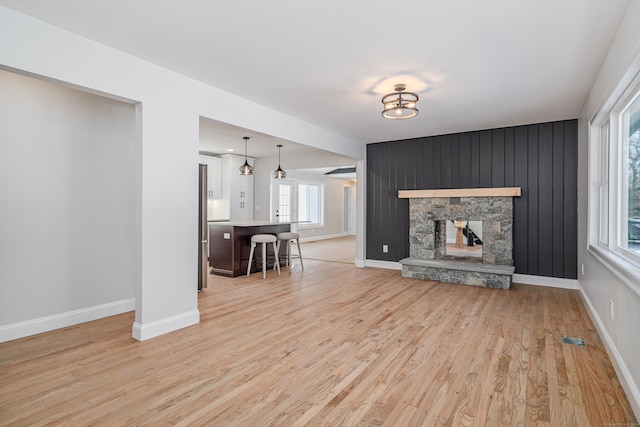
point(219, 138)
point(475, 64)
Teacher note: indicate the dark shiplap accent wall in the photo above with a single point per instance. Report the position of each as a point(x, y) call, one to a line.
point(542, 159)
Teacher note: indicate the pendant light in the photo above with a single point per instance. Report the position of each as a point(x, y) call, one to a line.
point(279, 173)
point(400, 105)
point(246, 169)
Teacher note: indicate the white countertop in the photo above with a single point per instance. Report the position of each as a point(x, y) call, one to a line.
point(248, 223)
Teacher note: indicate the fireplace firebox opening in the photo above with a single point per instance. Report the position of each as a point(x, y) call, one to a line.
point(463, 240)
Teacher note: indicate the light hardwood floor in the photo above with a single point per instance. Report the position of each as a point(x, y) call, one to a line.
point(332, 345)
point(340, 249)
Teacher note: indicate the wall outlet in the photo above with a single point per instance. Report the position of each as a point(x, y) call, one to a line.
point(583, 269)
point(611, 309)
point(385, 248)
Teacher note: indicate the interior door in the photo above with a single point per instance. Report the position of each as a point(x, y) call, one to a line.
point(282, 201)
point(349, 220)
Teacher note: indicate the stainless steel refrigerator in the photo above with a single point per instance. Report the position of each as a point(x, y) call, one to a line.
point(203, 229)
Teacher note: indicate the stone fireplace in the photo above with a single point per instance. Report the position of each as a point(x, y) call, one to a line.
point(429, 212)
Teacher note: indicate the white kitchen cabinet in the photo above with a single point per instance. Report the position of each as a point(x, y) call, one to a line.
point(236, 188)
point(214, 176)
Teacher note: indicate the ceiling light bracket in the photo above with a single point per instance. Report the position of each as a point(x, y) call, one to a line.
point(400, 105)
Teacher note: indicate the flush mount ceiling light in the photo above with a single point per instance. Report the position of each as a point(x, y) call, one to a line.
point(246, 169)
point(400, 105)
point(279, 173)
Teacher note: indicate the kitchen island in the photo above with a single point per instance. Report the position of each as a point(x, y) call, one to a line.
point(230, 244)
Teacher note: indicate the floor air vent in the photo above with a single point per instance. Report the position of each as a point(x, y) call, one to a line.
point(573, 341)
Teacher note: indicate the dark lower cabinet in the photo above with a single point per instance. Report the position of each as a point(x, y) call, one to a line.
point(229, 247)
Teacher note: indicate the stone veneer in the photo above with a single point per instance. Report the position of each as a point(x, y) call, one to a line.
point(427, 240)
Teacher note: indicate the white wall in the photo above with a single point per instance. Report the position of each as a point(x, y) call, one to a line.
point(334, 193)
point(302, 160)
point(333, 206)
point(599, 284)
point(168, 107)
point(333, 211)
point(68, 201)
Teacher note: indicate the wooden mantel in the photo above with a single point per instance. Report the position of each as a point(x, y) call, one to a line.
point(460, 192)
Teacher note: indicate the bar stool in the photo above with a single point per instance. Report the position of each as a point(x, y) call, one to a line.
point(264, 239)
point(289, 237)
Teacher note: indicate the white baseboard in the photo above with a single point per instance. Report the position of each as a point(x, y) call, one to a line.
point(323, 237)
point(625, 377)
point(62, 320)
point(389, 265)
point(149, 330)
point(552, 282)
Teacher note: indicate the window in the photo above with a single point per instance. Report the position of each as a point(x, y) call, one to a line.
point(630, 177)
point(614, 169)
point(310, 203)
point(617, 167)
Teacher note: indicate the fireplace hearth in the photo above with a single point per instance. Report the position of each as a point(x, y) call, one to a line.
point(429, 211)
